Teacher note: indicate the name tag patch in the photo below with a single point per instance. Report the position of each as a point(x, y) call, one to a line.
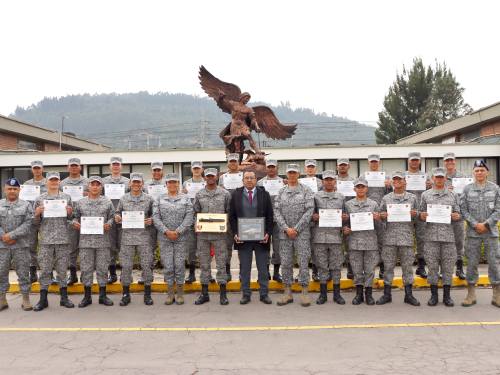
point(492, 205)
point(489, 194)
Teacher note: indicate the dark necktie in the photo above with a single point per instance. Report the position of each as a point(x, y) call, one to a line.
point(250, 196)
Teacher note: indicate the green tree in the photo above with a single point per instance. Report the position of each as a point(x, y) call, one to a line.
point(404, 103)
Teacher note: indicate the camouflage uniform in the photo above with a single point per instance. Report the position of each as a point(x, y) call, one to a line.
point(175, 214)
point(135, 239)
point(192, 257)
point(35, 229)
point(215, 201)
point(399, 238)
point(345, 237)
point(328, 241)
point(439, 238)
point(152, 229)
point(229, 233)
point(73, 233)
point(54, 242)
point(459, 225)
point(482, 205)
point(94, 248)
point(363, 250)
point(15, 219)
point(294, 208)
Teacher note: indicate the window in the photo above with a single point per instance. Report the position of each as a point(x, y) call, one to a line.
point(473, 134)
point(388, 166)
point(27, 145)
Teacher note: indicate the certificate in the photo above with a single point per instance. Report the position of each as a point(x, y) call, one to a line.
point(29, 192)
point(92, 225)
point(310, 182)
point(211, 223)
point(375, 179)
point(55, 208)
point(439, 213)
point(346, 188)
point(114, 191)
point(272, 186)
point(251, 229)
point(398, 213)
point(460, 183)
point(193, 187)
point(75, 192)
point(156, 190)
point(416, 182)
point(330, 218)
point(361, 221)
point(233, 180)
point(133, 219)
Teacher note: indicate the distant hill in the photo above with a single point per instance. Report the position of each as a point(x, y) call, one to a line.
point(163, 120)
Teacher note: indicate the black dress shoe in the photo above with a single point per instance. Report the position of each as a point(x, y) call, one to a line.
point(72, 276)
point(350, 274)
point(245, 300)
point(460, 269)
point(212, 280)
point(33, 275)
point(53, 280)
point(112, 275)
point(277, 277)
point(265, 299)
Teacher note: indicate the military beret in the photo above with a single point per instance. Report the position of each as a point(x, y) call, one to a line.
point(292, 168)
point(310, 162)
point(210, 172)
point(37, 163)
point(157, 165)
point(414, 155)
point(136, 177)
point(271, 162)
point(172, 177)
point(439, 171)
point(373, 157)
point(53, 175)
point(95, 178)
point(233, 156)
point(12, 182)
point(329, 174)
point(196, 164)
point(449, 155)
point(398, 174)
point(360, 181)
point(116, 159)
point(74, 161)
point(480, 163)
point(343, 161)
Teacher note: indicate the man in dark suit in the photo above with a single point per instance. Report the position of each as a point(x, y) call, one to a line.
point(252, 201)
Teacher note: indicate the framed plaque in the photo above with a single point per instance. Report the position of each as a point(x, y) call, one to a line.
point(211, 223)
point(251, 228)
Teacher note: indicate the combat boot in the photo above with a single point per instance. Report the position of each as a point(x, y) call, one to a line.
point(103, 298)
point(460, 269)
point(43, 303)
point(3, 302)
point(26, 304)
point(446, 296)
point(126, 296)
point(112, 275)
point(72, 276)
point(381, 270)
point(386, 297)
point(33, 275)
point(471, 296)
point(305, 296)
point(180, 295)
point(170, 295)
point(228, 272)
point(330, 276)
point(212, 280)
point(368, 295)
point(53, 280)
point(276, 274)
point(64, 299)
point(420, 271)
point(223, 296)
point(350, 274)
point(336, 294)
point(315, 275)
point(147, 295)
point(87, 298)
point(434, 296)
point(204, 297)
point(191, 277)
point(409, 296)
point(268, 273)
point(496, 296)
point(322, 295)
point(359, 295)
point(287, 296)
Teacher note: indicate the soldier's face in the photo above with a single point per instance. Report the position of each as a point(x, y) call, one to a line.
point(37, 171)
point(310, 170)
point(414, 163)
point(361, 190)
point(233, 165)
point(157, 173)
point(329, 183)
point(272, 171)
point(173, 186)
point(136, 186)
point(94, 188)
point(292, 176)
point(74, 168)
point(450, 164)
point(211, 180)
point(197, 172)
point(115, 167)
point(374, 164)
point(481, 174)
point(343, 168)
point(439, 181)
point(11, 192)
point(53, 183)
point(398, 183)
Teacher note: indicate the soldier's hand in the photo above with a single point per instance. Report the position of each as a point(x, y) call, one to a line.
point(376, 216)
point(195, 228)
point(428, 184)
point(424, 215)
point(285, 181)
point(118, 219)
point(384, 214)
point(77, 226)
point(223, 187)
point(6, 238)
point(414, 213)
point(387, 184)
point(292, 233)
point(236, 239)
point(69, 210)
point(107, 226)
point(184, 191)
point(455, 216)
point(39, 210)
point(481, 228)
point(316, 217)
point(345, 217)
point(148, 221)
point(86, 193)
point(347, 230)
point(266, 238)
point(12, 242)
point(450, 187)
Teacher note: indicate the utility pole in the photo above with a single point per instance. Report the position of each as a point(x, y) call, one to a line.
point(129, 147)
point(147, 133)
point(60, 135)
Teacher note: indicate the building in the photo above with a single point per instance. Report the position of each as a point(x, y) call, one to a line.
point(17, 135)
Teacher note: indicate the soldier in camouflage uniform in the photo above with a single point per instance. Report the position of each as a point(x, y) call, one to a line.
point(233, 162)
point(94, 248)
point(197, 170)
point(294, 209)
point(439, 237)
point(74, 179)
point(54, 241)
point(37, 180)
point(173, 215)
point(398, 238)
point(414, 161)
point(458, 226)
point(15, 223)
point(343, 170)
point(136, 239)
point(328, 241)
point(116, 231)
point(272, 175)
point(480, 205)
point(212, 199)
point(363, 249)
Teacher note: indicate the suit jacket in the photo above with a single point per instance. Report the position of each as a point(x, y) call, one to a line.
point(264, 209)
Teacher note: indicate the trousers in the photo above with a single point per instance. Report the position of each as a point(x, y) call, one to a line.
point(127, 256)
point(420, 238)
point(459, 232)
point(33, 244)
point(329, 256)
point(390, 257)
point(261, 256)
point(59, 255)
point(173, 255)
point(220, 251)
point(115, 234)
point(98, 258)
point(275, 244)
point(363, 263)
point(21, 260)
point(74, 237)
point(288, 249)
point(444, 253)
point(473, 254)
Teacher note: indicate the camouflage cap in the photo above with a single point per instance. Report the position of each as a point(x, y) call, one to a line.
point(210, 172)
point(157, 165)
point(329, 174)
point(271, 162)
point(360, 181)
point(399, 174)
point(196, 164)
point(310, 162)
point(343, 161)
point(74, 161)
point(116, 159)
point(53, 174)
point(449, 155)
point(374, 157)
point(95, 178)
point(37, 163)
point(136, 177)
point(172, 177)
point(414, 155)
point(292, 168)
point(233, 156)
point(439, 171)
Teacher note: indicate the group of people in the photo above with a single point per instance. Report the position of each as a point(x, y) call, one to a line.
point(364, 221)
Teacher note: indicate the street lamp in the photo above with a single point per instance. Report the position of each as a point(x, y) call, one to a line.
point(60, 135)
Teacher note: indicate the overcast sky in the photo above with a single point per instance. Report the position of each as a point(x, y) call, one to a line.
point(336, 57)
